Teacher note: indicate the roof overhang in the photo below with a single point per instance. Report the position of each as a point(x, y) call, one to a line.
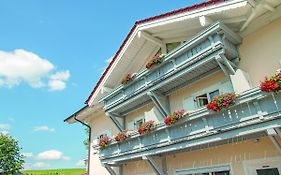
point(158, 23)
point(182, 23)
point(81, 115)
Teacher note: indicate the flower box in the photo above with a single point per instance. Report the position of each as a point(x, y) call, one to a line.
point(122, 136)
point(173, 118)
point(146, 127)
point(222, 101)
point(128, 78)
point(157, 59)
point(104, 142)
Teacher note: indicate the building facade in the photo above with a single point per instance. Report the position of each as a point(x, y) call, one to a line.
point(183, 60)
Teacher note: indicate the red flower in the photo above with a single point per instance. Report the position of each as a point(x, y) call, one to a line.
point(146, 127)
point(104, 142)
point(140, 131)
point(148, 65)
point(122, 136)
point(157, 59)
point(177, 115)
point(269, 85)
point(222, 101)
point(168, 120)
point(127, 79)
point(273, 84)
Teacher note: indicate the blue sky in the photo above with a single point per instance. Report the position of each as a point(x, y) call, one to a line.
point(51, 55)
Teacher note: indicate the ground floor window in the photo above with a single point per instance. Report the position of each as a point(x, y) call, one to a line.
point(268, 166)
point(214, 170)
point(269, 171)
point(213, 173)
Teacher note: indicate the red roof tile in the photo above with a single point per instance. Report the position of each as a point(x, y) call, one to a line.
point(172, 13)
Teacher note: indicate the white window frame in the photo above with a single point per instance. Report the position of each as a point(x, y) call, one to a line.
point(132, 123)
point(196, 100)
point(206, 169)
point(207, 90)
point(138, 119)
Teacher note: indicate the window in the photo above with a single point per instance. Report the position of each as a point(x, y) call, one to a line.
point(268, 171)
point(213, 173)
point(213, 170)
point(138, 123)
point(172, 46)
point(103, 134)
point(204, 99)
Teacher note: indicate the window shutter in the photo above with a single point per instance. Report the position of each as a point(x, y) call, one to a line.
point(149, 115)
point(131, 125)
point(189, 104)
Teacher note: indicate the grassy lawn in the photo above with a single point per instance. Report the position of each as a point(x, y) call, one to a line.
point(55, 172)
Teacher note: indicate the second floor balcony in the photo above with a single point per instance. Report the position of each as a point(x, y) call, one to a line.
point(206, 53)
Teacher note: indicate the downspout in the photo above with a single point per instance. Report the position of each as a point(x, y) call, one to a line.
point(89, 139)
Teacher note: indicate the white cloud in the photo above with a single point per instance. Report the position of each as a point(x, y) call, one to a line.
point(57, 80)
point(63, 75)
point(5, 126)
point(80, 163)
point(23, 66)
point(27, 155)
point(40, 165)
point(4, 132)
point(43, 128)
point(52, 155)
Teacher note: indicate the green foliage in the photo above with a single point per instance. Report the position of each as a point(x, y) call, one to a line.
point(11, 161)
point(55, 172)
point(86, 141)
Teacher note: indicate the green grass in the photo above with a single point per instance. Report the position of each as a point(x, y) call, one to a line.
point(55, 172)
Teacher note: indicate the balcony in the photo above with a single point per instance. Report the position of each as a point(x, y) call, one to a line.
point(207, 52)
point(254, 112)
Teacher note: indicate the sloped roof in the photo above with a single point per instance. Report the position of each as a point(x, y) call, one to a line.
point(154, 18)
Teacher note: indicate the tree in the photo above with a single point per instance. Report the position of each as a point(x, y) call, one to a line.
point(11, 161)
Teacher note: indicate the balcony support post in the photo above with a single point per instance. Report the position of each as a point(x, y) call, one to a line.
point(271, 134)
point(164, 165)
point(229, 65)
point(154, 165)
point(222, 67)
point(113, 117)
point(278, 130)
point(161, 102)
point(109, 169)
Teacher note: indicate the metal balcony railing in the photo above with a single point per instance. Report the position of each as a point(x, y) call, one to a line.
point(189, 62)
point(254, 112)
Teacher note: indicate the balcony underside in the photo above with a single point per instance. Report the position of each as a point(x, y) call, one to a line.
point(254, 113)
